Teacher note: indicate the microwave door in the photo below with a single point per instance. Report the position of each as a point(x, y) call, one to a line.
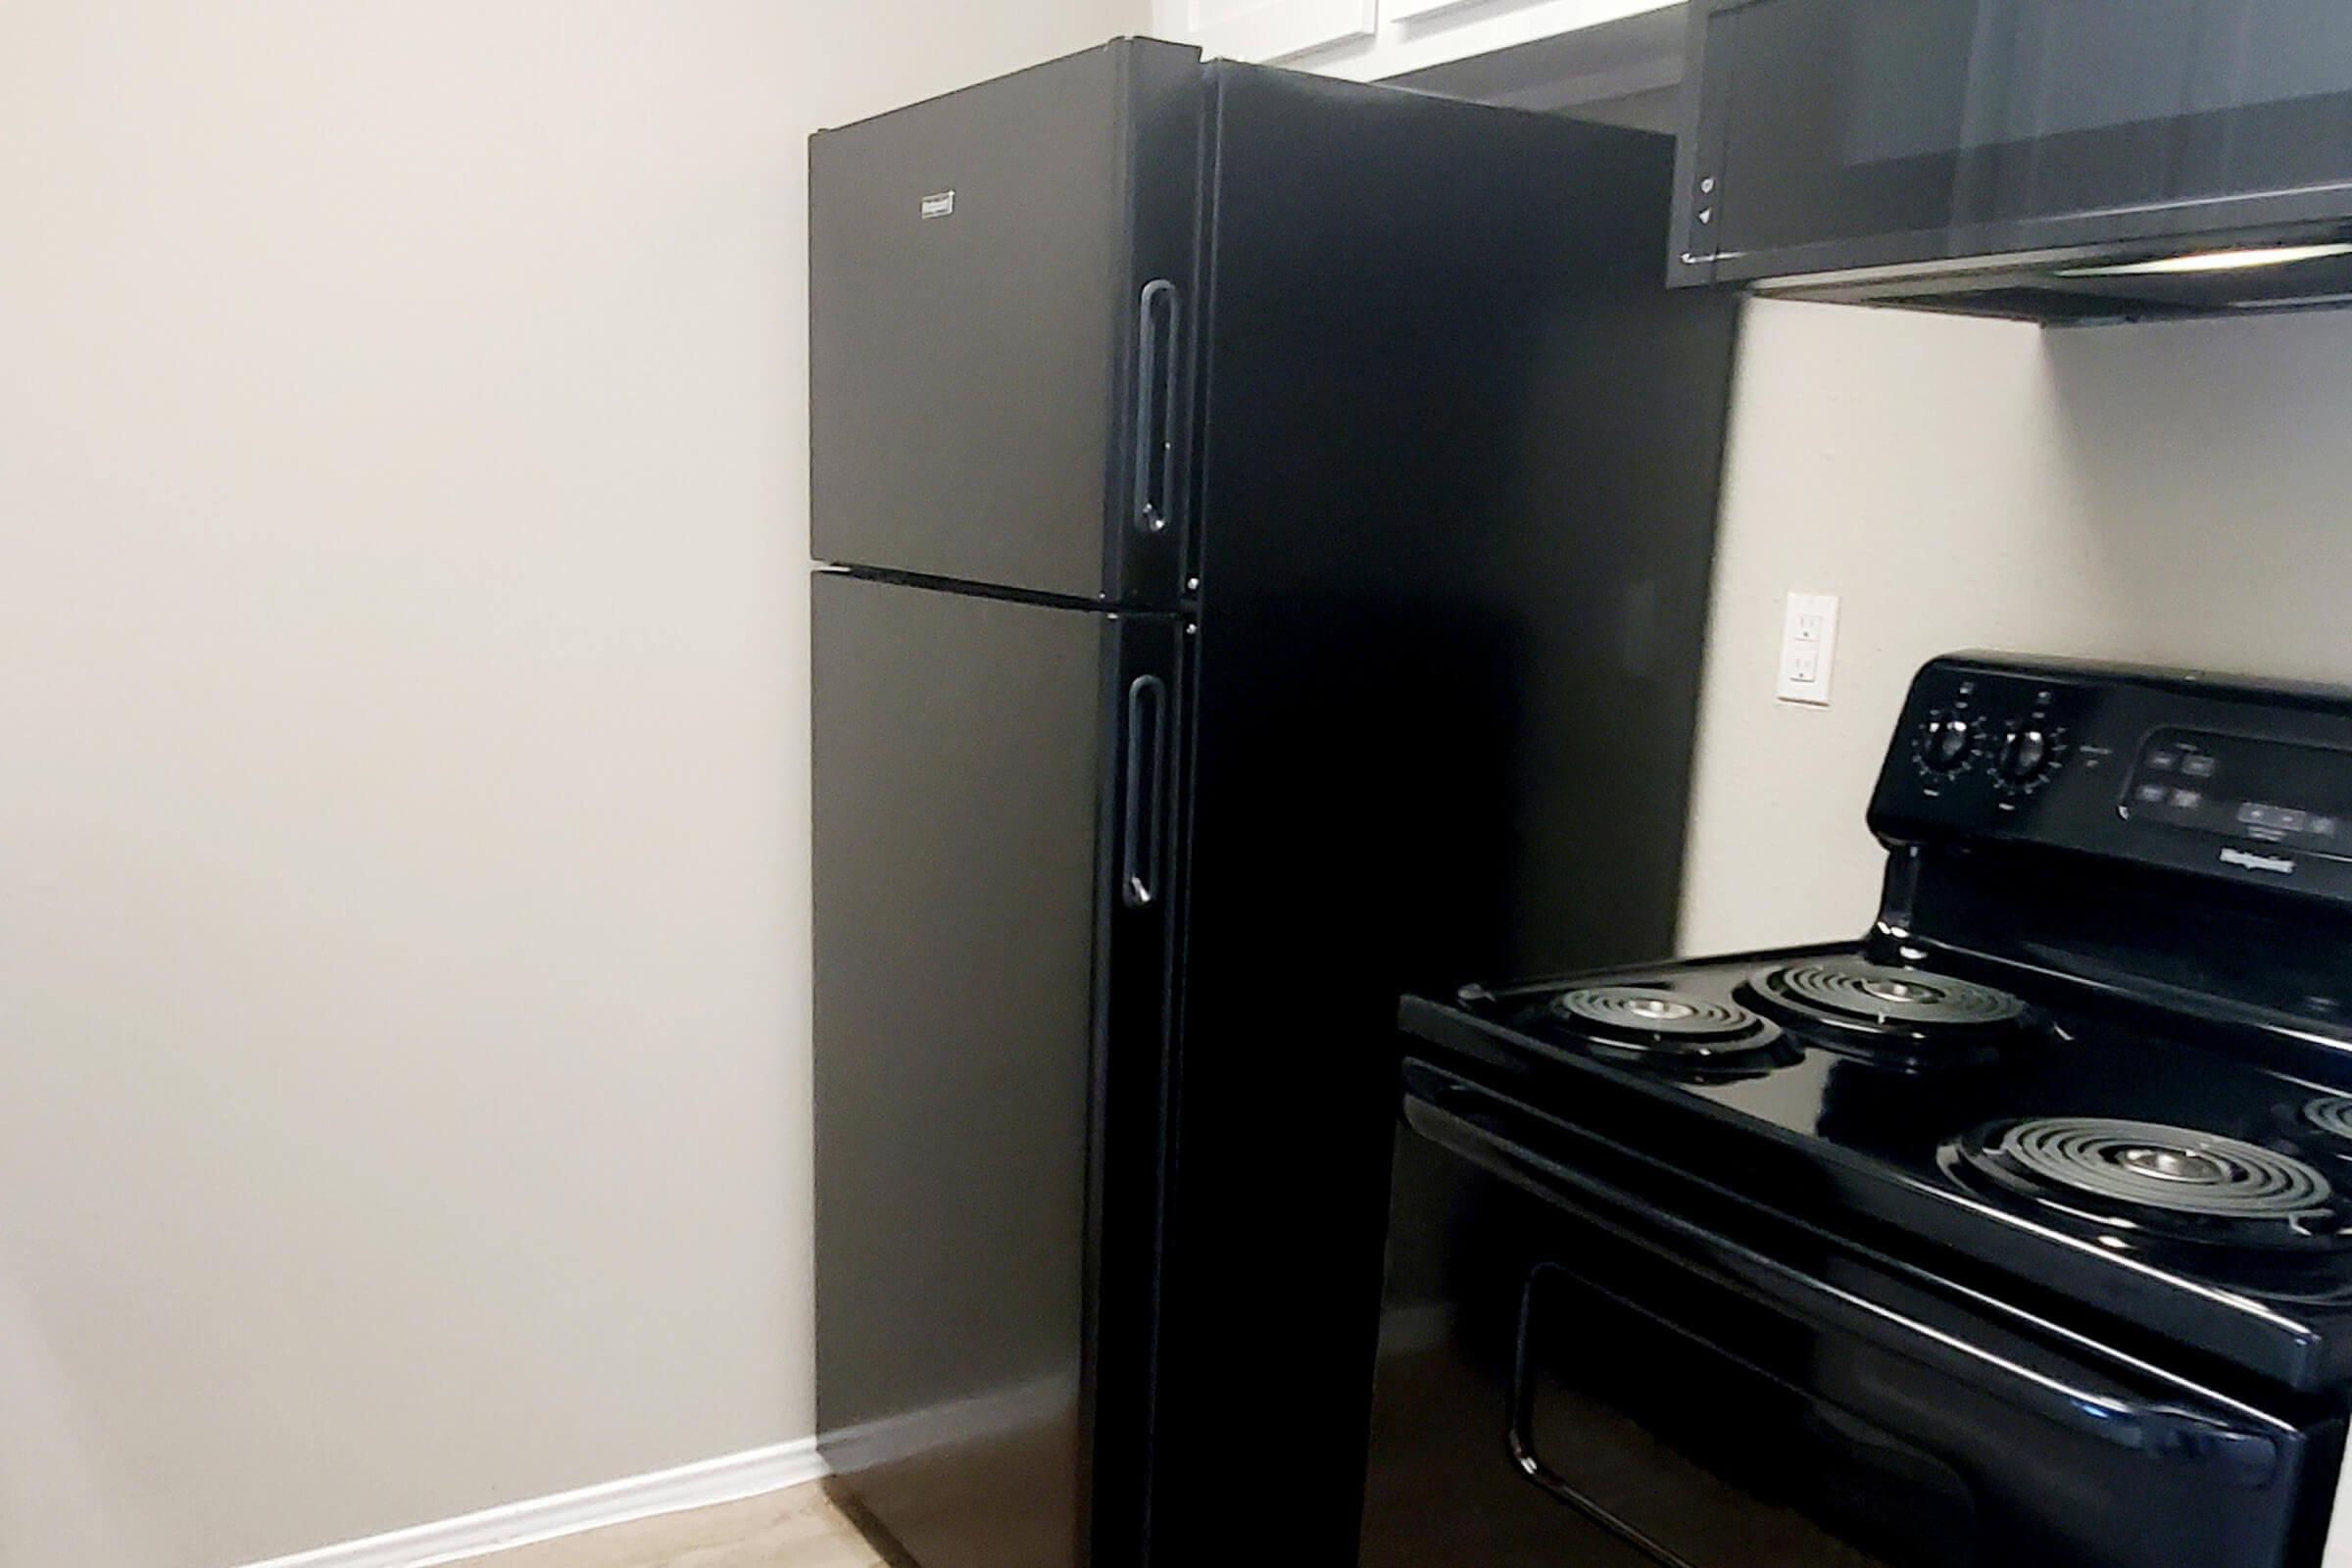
point(1828, 137)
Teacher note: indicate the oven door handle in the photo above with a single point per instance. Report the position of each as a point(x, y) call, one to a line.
point(2241, 1458)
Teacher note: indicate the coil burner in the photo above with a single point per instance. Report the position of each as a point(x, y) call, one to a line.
point(1663, 1028)
point(2331, 1115)
point(1876, 1011)
point(2138, 1175)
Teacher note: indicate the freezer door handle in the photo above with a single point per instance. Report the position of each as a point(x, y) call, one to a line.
point(1156, 358)
point(1147, 734)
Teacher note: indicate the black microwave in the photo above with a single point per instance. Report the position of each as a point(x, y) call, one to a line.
point(2054, 159)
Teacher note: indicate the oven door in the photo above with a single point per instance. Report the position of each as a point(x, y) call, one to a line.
point(1572, 1373)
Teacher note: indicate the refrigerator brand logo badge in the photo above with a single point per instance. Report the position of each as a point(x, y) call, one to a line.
point(2258, 863)
point(939, 204)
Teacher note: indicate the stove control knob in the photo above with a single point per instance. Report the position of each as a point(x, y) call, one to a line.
point(1947, 743)
point(2025, 756)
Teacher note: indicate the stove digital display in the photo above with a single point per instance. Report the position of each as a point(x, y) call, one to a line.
point(2268, 792)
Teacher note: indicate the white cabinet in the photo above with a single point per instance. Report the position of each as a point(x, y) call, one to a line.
point(1264, 29)
point(1367, 40)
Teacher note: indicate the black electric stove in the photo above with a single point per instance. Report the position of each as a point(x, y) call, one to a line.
point(2029, 1131)
point(2019, 1230)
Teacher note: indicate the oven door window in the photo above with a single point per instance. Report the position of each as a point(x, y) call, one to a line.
point(1975, 125)
point(1687, 1443)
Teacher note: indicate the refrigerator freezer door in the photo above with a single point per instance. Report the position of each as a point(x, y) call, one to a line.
point(990, 776)
point(1001, 302)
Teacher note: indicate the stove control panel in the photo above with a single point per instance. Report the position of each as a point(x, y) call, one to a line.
point(2237, 787)
point(2241, 780)
point(1985, 736)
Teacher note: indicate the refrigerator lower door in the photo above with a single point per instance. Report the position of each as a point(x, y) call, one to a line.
point(991, 801)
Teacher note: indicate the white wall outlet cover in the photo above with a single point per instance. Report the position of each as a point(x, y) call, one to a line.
point(1808, 643)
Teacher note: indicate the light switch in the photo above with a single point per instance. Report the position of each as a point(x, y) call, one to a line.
point(1808, 640)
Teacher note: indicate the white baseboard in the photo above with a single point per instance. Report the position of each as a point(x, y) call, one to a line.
point(725, 1478)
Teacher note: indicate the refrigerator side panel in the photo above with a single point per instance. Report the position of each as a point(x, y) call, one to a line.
point(979, 331)
point(1460, 455)
point(958, 791)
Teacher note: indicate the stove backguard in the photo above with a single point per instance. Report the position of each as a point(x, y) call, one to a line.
point(2180, 839)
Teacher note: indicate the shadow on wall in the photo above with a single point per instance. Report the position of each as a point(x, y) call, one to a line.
point(2210, 466)
point(51, 1467)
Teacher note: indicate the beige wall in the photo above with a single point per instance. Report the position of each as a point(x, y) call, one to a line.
point(403, 1099)
point(2176, 494)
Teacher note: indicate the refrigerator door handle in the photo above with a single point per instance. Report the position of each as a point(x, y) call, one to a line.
point(1155, 362)
point(1147, 744)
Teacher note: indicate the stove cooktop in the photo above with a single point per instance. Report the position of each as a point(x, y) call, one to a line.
point(2135, 1166)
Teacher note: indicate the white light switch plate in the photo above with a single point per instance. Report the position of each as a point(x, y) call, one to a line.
point(1808, 642)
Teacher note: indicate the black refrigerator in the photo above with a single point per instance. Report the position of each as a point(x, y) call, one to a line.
point(1265, 527)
